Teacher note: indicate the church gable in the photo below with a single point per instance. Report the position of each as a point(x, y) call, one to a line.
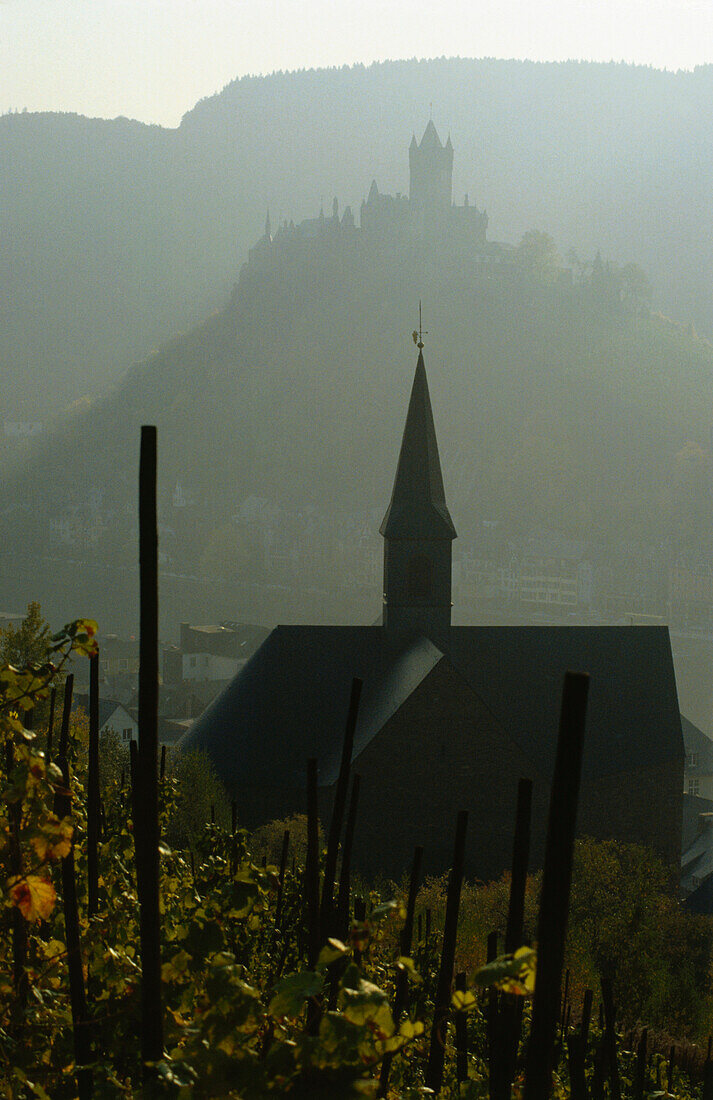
point(443, 750)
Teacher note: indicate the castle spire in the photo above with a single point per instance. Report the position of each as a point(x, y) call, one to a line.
point(268, 226)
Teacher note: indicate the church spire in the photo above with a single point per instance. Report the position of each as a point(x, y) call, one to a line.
point(418, 501)
point(417, 528)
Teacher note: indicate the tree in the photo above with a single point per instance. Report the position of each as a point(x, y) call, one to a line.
point(199, 789)
point(625, 925)
point(28, 643)
point(537, 254)
point(635, 286)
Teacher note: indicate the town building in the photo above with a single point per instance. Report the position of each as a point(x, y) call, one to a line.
point(450, 717)
point(113, 717)
point(211, 653)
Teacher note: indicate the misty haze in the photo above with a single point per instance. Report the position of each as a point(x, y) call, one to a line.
point(360, 430)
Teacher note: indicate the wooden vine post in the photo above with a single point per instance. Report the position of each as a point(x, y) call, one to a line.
point(507, 1015)
point(146, 798)
point(312, 866)
point(556, 881)
point(326, 918)
point(70, 906)
point(346, 868)
point(434, 1069)
point(405, 944)
point(93, 796)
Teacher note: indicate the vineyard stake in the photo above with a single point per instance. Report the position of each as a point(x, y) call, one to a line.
point(346, 868)
point(359, 917)
point(439, 1029)
point(19, 924)
point(707, 1093)
point(338, 807)
point(507, 1022)
point(312, 866)
point(556, 880)
point(93, 790)
point(135, 798)
point(610, 1038)
point(77, 993)
point(66, 713)
point(147, 756)
point(577, 1051)
point(520, 860)
point(405, 943)
point(641, 1059)
point(491, 1018)
point(50, 722)
point(671, 1063)
point(281, 877)
point(461, 1034)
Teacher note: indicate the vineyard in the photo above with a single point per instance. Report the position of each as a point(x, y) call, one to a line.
point(142, 958)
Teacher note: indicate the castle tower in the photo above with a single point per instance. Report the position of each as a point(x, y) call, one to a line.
point(431, 174)
point(417, 528)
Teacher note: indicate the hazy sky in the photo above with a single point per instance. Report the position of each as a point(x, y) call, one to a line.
point(152, 59)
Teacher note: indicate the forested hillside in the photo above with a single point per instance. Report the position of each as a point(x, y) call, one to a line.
point(116, 235)
point(555, 405)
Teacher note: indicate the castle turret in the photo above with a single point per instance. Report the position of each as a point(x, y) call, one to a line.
point(431, 174)
point(417, 528)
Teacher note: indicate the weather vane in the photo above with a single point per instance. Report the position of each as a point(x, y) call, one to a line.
point(418, 336)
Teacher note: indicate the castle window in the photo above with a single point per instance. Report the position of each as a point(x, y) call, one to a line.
point(693, 762)
point(693, 786)
point(419, 576)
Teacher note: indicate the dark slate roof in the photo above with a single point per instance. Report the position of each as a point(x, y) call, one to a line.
point(696, 741)
point(633, 718)
point(290, 700)
point(693, 807)
point(107, 707)
point(418, 502)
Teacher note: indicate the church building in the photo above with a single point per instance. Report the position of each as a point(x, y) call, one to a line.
point(451, 716)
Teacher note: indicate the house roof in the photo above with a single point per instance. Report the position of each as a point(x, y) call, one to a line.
point(290, 700)
point(107, 708)
point(696, 741)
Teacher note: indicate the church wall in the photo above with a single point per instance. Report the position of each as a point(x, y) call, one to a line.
point(642, 807)
point(440, 753)
point(443, 751)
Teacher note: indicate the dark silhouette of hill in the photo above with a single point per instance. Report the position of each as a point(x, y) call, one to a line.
point(116, 235)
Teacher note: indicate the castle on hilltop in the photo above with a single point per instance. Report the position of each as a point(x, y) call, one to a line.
point(426, 213)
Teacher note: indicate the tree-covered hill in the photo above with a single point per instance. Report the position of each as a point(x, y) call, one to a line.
point(556, 404)
point(116, 235)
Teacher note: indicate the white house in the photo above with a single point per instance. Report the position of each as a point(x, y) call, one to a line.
point(112, 716)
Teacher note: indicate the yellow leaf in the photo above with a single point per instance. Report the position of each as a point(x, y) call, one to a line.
point(34, 896)
point(54, 841)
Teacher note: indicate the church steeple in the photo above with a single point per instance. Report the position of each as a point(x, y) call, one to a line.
point(417, 528)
